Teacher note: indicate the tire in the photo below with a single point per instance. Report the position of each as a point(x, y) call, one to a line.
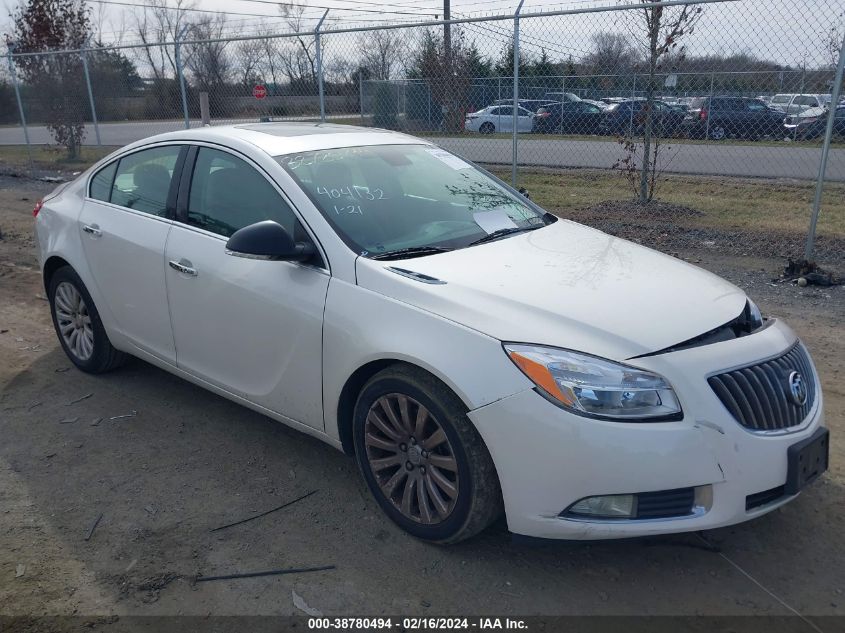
point(477, 498)
point(487, 128)
point(90, 350)
point(718, 133)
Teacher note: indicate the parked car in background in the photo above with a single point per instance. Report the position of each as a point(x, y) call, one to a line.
point(600, 104)
point(798, 103)
point(630, 116)
point(562, 96)
point(781, 101)
point(718, 118)
point(572, 117)
point(529, 104)
point(811, 124)
point(498, 119)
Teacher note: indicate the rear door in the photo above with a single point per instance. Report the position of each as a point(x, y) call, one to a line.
point(252, 327)
point(124, 224)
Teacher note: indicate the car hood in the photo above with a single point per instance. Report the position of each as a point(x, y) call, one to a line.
point(564, 285)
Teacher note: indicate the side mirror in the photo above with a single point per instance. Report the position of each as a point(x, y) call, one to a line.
point(268, 240)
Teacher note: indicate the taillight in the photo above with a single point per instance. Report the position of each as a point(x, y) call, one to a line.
point(37, 208)
point(703, 114)
point(543, 115)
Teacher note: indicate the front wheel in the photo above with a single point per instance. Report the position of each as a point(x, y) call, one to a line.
point(422, 458)
point(78, 325)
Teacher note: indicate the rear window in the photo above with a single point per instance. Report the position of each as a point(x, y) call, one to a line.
point(698, 103)
point(781, 98)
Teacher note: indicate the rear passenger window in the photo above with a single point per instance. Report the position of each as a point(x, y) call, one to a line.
point(228, 194)
point(100, 188)
point(142, 181)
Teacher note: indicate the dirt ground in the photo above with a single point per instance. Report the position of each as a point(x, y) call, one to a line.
point(187, 461)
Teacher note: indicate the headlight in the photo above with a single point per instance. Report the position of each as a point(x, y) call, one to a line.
point(595, 387)
point(755, 317)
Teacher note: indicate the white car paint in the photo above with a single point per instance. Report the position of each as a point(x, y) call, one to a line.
point(284, 338)
point(499, 118)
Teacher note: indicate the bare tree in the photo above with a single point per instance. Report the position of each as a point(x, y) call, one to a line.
point(298, 54)
point(611, 53)
point(160, 21)
point(249, 55)
point(381, 53)
point(658, 31)
point(206, 57)
point(832, 44)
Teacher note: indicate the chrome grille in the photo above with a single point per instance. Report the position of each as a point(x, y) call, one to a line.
point(758, 396)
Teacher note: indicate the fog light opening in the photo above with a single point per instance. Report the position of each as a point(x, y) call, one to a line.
point(606, 507)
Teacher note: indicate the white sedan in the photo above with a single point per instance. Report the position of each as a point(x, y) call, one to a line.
point(499, 118)
point(473, 352)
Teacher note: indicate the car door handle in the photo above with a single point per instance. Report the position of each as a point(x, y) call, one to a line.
point(184, 267)
point(92, 229)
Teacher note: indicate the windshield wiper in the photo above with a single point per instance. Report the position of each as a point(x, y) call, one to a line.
point(413, 251)
point(503, 232)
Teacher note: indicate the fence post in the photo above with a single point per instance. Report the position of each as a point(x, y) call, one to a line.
point(515, 87)
point(20, 108)
point(84, 57)
point(178, 60)
point(817, 200)
point(709, 107)
point(319, 44)
point(361, 94)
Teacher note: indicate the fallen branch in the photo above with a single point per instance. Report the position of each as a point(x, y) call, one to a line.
point(258, 516)
point(272, 572)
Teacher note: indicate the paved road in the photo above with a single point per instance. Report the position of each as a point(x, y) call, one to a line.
point(715, 159)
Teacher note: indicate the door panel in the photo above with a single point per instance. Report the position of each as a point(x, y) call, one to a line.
point(125, 252)
point(123, 235)
point(252, 327)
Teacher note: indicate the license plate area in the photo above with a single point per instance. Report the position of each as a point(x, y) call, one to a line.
point(806, 461)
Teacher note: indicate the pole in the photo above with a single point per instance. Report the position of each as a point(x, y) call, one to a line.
point(709, 107)
point(20, 109)
point(361, 94)
point(447, 33)
point(178, 59)
point(817, 201)
point(90, 94)
point(320, 67)
point(515, 87)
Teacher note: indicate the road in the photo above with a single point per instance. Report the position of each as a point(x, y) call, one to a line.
point(717, 159)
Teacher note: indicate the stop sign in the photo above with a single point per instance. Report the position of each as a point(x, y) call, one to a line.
point(259, 91)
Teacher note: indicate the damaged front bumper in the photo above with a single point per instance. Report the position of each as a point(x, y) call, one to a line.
point(548, 459)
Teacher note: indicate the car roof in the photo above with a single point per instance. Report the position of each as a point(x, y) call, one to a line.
point(277, 138)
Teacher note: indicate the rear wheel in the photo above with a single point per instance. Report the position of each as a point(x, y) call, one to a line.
point(487, 128)
point(422, 458)
point(78, 325)
point(717, 133)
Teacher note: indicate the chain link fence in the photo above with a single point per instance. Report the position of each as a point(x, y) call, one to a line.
point(732, 106)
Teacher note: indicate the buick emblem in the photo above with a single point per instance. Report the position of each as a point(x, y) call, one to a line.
point(797, 389)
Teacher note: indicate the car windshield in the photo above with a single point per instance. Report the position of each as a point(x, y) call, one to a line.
point(387, 198)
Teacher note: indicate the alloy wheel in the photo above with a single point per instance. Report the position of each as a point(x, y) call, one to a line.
point(74, 322)
point(411, 459)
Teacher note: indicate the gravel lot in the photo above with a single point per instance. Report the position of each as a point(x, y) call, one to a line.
point(189, 461)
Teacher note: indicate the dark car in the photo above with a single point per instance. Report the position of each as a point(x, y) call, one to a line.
point(809, 128)
point(718, 118)
point(571, 117)
point(630, 117)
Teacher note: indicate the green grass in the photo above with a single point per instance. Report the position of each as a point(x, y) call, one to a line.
point(50, 157)
point(729, 203)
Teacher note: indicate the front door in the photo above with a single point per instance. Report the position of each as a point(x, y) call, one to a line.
point(252, 327)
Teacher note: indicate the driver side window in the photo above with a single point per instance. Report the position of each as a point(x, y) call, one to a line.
point(228, 194)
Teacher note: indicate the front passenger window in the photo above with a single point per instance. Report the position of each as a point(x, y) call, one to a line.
point(228, 194)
